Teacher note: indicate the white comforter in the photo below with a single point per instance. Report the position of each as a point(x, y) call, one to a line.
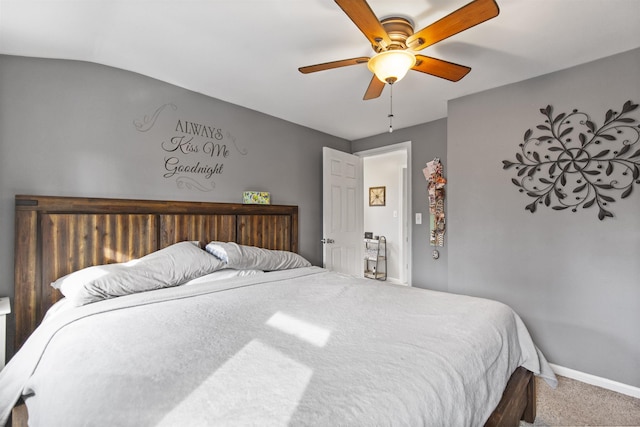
point(296, 347)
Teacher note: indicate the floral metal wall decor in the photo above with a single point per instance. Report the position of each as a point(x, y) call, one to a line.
point(572, 163)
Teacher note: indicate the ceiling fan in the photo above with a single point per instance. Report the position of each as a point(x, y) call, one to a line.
point(395, 43)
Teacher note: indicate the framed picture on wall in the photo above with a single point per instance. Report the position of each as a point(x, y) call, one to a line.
point(377, 196)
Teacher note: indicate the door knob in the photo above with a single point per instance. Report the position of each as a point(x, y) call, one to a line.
point(324, 241)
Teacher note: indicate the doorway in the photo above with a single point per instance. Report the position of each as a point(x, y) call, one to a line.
point(390, 167)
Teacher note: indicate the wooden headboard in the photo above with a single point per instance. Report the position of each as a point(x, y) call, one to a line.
point(57, 235)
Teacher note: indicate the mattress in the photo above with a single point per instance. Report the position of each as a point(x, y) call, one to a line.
point(304, 346)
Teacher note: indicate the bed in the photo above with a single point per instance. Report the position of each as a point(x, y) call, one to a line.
point(296, 345)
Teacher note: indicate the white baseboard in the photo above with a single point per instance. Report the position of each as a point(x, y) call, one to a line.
point(396, 281)
point(597, 381)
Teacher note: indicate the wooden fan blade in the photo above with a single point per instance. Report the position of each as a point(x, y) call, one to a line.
point(334, 64)
point(361, 14)
point(462, 19)
point(374, 90)
point(439, 68)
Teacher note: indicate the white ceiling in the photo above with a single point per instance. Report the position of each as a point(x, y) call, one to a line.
point(247, 52)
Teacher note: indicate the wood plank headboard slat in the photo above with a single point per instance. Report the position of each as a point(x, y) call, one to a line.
point(204, 228)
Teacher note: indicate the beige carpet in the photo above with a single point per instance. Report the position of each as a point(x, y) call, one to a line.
point(575, 403)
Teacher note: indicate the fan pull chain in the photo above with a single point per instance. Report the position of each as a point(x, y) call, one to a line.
point(390, 107)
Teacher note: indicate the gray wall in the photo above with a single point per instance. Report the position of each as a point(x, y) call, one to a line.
point(428, 140)
point(68, 128)
point(574, 279)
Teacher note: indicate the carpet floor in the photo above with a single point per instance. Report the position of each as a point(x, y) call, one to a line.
point(575, 403)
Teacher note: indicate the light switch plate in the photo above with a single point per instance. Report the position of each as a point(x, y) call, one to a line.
point(419, 218)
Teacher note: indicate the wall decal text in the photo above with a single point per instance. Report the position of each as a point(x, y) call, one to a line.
point(194, 152)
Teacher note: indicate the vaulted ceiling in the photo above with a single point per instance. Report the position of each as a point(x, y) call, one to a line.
point(247, 52)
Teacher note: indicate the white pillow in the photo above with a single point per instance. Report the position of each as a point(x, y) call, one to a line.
point(167, 267)
point(227, 273)
point(250, 257)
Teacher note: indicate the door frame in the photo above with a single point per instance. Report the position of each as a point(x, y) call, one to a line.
point(407, 202)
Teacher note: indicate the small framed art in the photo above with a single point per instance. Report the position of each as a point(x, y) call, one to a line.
point(377, 196)
point(256, 198)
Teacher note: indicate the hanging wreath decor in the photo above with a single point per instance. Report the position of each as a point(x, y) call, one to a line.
point(572, 163)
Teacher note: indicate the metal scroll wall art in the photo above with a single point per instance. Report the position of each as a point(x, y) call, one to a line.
point(436, 182)
point(571, 162)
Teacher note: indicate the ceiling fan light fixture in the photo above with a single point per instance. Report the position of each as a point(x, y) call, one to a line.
point(392, 65)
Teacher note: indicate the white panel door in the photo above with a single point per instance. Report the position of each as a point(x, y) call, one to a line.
point(342, 212)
